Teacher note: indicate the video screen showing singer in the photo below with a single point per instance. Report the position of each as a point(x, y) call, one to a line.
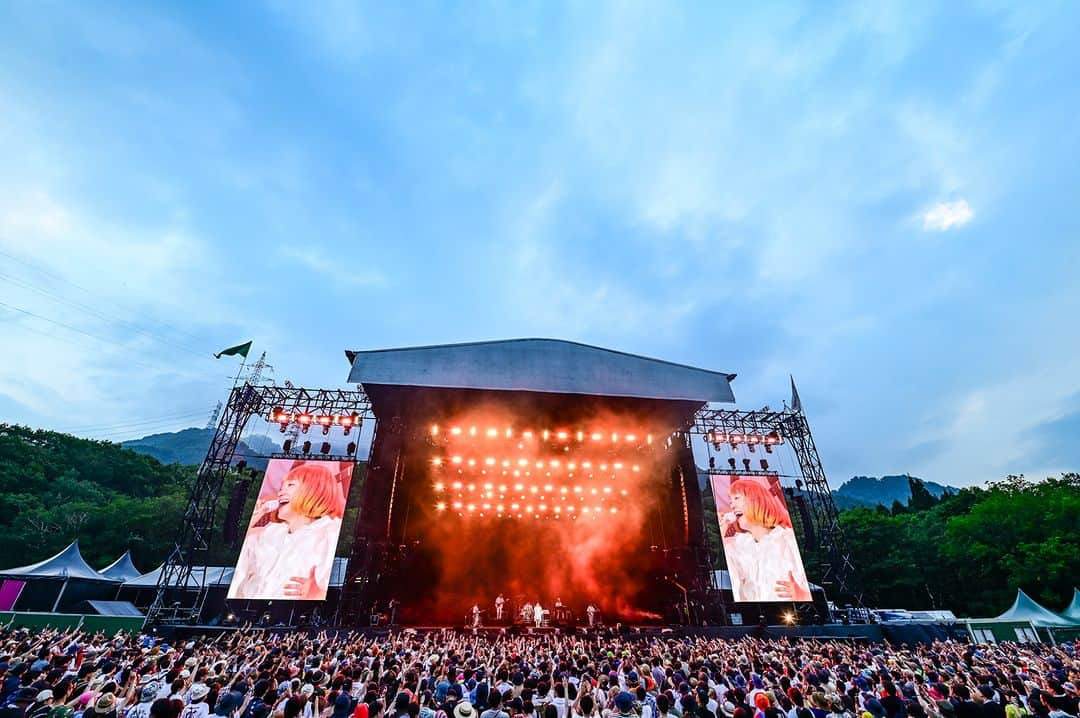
point(759, 543)
point(288, 551)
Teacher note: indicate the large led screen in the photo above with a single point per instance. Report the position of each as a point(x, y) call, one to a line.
point(759, 543)
point(288, 550)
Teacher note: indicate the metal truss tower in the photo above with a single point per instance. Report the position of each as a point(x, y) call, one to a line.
point(183, 576)
point(791, 426)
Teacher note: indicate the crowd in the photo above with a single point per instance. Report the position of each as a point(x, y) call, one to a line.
point(447, 674)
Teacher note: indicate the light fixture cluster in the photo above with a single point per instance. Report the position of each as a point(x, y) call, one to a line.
point(561, 436)
point(750, 441)
point(305, 420)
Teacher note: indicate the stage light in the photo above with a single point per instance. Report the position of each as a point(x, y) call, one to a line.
point(585, 510)
point(489, 461)
point(440, 506)
point(456, 431)
point(434, 429)
point(751, 447)
point(457, 485)
point(545, 434)
point(457, 504)
point(307, 447)
point(436, 461)
point(533, 490)
point(554, 463)
point(304, 420)
point(492, 433)
point(526, 434)
point(731, 462)
point(348, 421)
point(613, 509)
point(789, 618)
point(439, 486)
point(562, 490)
point(514, 507)
point(607, 489)
point(603, 467)
point(547, 487)
point(746, 464)
point(586, 465)
point(325, 448)
point(456, 459)
point(562, 435)
point(287, 446)
point(736, 438)
point(577, 489)
point(597, 436)
point(580, 435)
point(614, 437)
point(617, 465)
point(472, 431)
point(470, 507)
point(764, 465)
point(648, 439)
point(351, 448)
point(712, 462)
point(624, 492)
point(471, 462)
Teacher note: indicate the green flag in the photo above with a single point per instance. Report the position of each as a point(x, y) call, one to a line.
point(241, 349)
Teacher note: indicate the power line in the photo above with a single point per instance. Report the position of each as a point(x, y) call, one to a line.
point(37, 268)
point(102, 315)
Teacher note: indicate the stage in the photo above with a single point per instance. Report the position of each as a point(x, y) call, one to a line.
point(535, 468)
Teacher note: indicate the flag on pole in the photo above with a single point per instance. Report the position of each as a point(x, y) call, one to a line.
point(241, 349)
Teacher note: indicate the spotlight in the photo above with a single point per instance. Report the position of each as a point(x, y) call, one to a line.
point(712, 462)
point(325, 421)
point(751, 447)
point(768, 448)
point(304, 420)
point(325, 448)
point(307, 447)
point(348, 421)
point(764, 465)
point(789, 618)
point(287, 446)
point(731, 462)
point(351, 448)
point(746, 464)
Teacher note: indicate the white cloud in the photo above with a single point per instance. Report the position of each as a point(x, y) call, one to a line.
point(343, 270)
point(946, 215)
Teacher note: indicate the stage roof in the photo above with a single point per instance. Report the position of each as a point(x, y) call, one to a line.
point(1025, 608)
point(539, 365)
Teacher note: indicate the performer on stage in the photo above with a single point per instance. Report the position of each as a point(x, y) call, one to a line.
point(499, 601)
point(591, 611)
point(393, 607)
point(476, 615)
point(558, 602)
point(527, 612)
point(538, 614)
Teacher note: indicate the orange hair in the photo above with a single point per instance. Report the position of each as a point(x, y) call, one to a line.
point(319, 493)
point(762, 506)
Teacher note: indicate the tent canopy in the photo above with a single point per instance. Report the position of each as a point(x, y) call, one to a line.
point(122, 569)
point(68, 564)
point(1024, 608)
point(222, 576)
point(1072, 612)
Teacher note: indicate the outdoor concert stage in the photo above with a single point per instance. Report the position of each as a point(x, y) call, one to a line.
point(534, 469)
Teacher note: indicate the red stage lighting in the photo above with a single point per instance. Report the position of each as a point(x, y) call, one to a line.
point(304, 420)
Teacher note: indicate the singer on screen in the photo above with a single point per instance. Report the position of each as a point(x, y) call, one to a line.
point(759, 543)
point(288, 552)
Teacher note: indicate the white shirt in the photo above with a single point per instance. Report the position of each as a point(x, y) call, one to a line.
point(272, 555)
point(196, 710)
point(756, 566)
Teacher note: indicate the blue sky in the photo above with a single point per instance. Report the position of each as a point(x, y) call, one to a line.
point(879, 198)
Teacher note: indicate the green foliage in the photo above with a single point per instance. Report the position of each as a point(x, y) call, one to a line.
point(971, 550)
point(59, 488)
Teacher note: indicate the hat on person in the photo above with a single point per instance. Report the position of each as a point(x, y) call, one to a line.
point(25, 694)
point(624, 702)
point(149, 692)
point(307, 690)
point(728, 709)
point(464, 709)
point(199, 691)
point(45, 695)
point(105, 703)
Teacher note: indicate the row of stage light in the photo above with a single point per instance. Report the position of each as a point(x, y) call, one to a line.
point(305, 420)
point(558, 435)
point(489, 490)
point(750, 441)
point(527, 511)
point(523, 463)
